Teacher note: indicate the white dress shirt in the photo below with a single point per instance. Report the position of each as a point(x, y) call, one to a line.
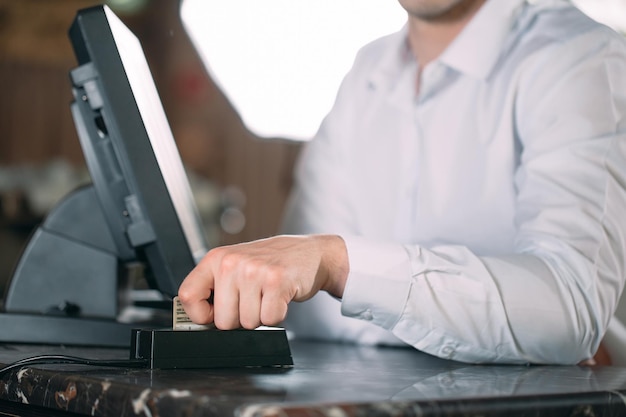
point(485, 215)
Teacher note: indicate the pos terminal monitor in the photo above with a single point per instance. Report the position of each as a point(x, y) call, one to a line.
point(139, 207)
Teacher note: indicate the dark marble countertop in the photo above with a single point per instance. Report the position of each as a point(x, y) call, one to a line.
point(327, 380)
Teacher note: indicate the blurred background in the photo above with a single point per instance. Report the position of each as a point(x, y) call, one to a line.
point(240, 184)
point(240, 174)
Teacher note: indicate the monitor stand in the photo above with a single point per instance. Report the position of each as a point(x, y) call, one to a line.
point(65, 287)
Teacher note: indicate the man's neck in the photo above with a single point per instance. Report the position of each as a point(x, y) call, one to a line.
point(429, 38)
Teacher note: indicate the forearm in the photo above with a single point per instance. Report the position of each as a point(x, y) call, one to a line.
point(452, 303)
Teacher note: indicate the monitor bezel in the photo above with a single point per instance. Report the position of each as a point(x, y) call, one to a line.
point(131, 153)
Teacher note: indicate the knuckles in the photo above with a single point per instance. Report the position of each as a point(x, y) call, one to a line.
point(224, 323)
point(274, 315)
point(234, 270)
point(185, 294)
point(250, 324)
point(229, 262)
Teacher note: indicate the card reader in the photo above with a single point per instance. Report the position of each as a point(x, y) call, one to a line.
point(199, 347)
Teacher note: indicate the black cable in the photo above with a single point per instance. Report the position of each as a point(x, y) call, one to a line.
point(65, 359)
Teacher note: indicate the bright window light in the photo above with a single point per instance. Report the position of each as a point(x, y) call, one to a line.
point(280, 62)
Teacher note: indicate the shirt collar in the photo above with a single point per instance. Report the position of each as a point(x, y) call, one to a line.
point(393, 59)
point(475, 51)
point(477, 48)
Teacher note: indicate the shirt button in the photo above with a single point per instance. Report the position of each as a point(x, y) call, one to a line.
point(367, 315)
point(447, 352)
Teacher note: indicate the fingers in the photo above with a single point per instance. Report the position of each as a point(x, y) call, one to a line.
point(194, 294)
point(253, 283)
point(242, 293)
point(238, 292)
point(226, 298)
point(199, 287)
point(226, 267)
point(273, 310)
point(250, 308)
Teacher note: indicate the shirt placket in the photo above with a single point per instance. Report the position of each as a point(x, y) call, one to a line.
point(428, 82)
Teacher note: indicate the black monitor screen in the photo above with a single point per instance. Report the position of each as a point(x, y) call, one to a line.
point(130, 151)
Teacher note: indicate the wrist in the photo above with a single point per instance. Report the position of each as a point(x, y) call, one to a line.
point(335, 264)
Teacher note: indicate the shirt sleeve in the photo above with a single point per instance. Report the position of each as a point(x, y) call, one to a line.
point(552, 299)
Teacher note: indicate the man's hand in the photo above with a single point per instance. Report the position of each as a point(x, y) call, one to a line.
point(251, 284)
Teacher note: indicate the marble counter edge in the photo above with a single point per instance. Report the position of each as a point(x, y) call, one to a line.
point(599, 403)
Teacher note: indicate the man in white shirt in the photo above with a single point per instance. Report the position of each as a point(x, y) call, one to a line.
point(465, 195)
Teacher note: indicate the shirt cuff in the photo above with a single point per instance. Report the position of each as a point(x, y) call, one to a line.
point(378, 283)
